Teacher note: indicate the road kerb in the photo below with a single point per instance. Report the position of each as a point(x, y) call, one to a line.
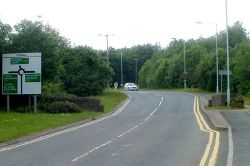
point(66, 128)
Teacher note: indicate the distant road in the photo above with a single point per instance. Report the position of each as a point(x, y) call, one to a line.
point(154, 129)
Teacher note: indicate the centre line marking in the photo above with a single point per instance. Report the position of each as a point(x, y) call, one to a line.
point(87, 153)
point(66, 130)
point(128, 131)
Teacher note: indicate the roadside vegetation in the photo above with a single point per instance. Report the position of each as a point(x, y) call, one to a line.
point(80, 71)
point(224, 108)
point(15, 124)
point(247, 99)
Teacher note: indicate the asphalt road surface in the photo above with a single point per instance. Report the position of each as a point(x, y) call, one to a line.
point(154, 129)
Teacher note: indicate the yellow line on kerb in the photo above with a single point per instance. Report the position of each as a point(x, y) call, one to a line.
point(205, 127)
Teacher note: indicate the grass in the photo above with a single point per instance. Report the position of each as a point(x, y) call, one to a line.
point(223, 108)
point(110, 99)
point(247, 99)
point(190, 90)
point(14, 125)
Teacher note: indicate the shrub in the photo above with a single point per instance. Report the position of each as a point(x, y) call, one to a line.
point(62, 107)
point(53, 89)
point(82, 102)
point(237, 101)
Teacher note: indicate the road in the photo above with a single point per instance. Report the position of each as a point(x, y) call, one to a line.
point(240, 123)
point(155, 128)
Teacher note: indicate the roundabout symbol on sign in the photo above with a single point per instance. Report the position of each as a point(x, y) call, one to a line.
point(21, 72)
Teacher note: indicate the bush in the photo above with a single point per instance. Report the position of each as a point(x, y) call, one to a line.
point(82, 102)
point(53, 89)
point(237, 101)
point(62, 107)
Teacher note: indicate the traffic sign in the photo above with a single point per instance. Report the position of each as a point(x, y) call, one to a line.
point(224, 72)
point(21, 73)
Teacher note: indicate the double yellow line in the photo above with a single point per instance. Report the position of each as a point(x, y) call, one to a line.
point(210, 155)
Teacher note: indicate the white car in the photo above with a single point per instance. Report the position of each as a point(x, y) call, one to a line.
point(131, 86)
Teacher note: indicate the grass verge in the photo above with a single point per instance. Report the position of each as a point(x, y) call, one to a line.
point(247, 99)
point(189, 90)
point(223, 108)
point(14, 125)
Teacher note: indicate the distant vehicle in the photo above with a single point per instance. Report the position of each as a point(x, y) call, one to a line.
point(131, 87)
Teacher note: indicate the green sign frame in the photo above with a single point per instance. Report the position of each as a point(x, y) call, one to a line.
point(15, 61)
point(10, 83)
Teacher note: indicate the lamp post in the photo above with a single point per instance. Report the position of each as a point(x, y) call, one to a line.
point(216, 54)
point(121, 71)
point(184, 64)
point(228, 74)
point(136, 61)
point(107, 41)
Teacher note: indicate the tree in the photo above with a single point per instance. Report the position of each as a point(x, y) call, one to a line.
point(37, 37)
point(241, 66)
point(85, 72)
point(5, 32)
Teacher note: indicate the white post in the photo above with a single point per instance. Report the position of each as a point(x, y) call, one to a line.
point(221, 83)
point(136, 61)
point(35, 104)
point(121, 70)
point(217, 62)
point(107, 40)
point(185, 79)
point(8, 103)
point(228, 74)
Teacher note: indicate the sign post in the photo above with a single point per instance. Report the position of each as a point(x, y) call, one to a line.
point(21, 75)
point(223, 73)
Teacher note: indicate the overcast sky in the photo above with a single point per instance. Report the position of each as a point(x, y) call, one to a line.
point(131, 21)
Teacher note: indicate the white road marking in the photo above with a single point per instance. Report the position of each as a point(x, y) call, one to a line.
point(153, 112)
point(128, 131)
point(94, 149)
point(120, 136)
point(66, 130)
point(146, 119)
point(230, 147)
point(123, 148)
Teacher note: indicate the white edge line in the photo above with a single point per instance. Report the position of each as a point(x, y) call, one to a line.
point(230, 147)
point(119, 110)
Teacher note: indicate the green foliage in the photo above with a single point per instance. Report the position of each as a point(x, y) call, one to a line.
point(165, 68)
point(241, 64)
point(38, 37)
point(110, 99)
point(15, 125)
point(237, 102)
point(141, 52)
point(5, 32)
point(54, 89)
point(62, 107)
point(85, 72)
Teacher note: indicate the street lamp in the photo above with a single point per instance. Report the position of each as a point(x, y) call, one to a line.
point(184, 65)
point(107, 41)
point(228, 74)
point(121, 71)
point(136, 61)
point(216, 54)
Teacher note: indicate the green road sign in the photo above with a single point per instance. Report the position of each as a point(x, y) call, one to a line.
point(15, 61)
point(33, 77)
point(9, 83)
